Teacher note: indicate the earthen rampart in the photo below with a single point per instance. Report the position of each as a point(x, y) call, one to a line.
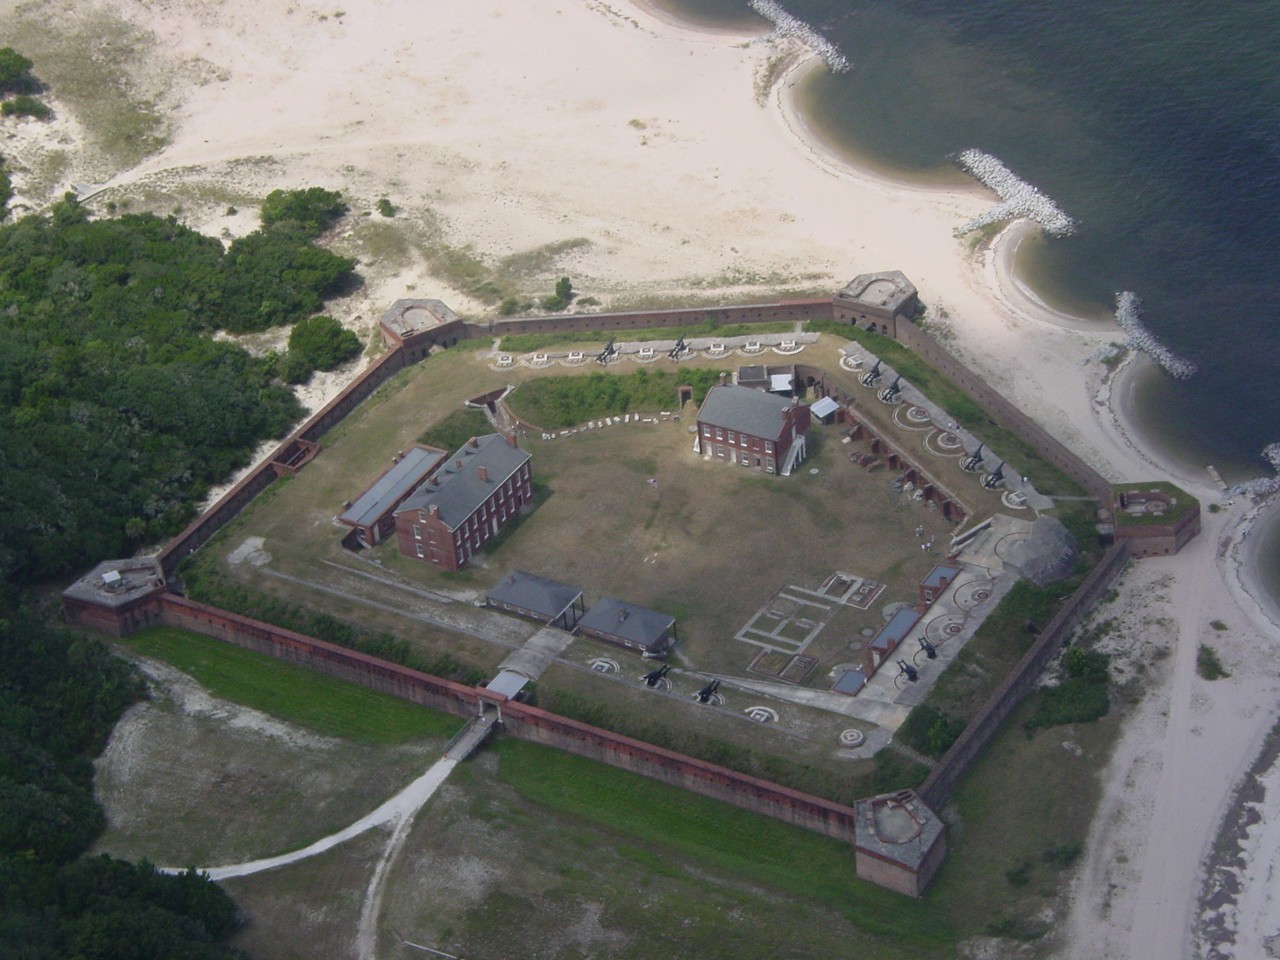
point(414, 685)
point(1001, 409)
point(801, 809)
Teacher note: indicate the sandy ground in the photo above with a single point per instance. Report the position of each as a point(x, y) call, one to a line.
point(506, 127)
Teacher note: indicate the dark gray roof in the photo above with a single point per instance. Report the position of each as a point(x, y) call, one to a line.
point(626, 621)
point(392, 486)
point(460, 490)
point(528, 591)
point(896, 630)
point(748, 411)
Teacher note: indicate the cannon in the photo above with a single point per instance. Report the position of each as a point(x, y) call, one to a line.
point(653, 676)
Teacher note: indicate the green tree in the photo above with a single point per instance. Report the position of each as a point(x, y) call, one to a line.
point(310, 210)
point(15, 71)
point(317, 343)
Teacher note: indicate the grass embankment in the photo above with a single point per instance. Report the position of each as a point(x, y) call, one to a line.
point(566, 401)
point(327, 705)
point(943, 391)
point(722, 839)
point(1016, 822)
point(800, 767)
point(207, 582)
point(1181, 503)
point(526, 342)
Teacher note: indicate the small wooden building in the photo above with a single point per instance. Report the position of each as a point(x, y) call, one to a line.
point(627, 625)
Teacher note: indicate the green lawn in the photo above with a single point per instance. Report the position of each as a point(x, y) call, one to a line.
point(329, 706)
point(724, 840)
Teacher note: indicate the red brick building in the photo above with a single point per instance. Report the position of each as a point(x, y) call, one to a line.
point(752, 428)
point(372, 514)
point(466, 502)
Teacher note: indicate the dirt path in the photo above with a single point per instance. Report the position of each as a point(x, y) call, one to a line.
point(401, 807)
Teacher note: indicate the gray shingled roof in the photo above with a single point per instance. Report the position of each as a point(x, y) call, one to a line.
point(460, 488)
point(626, 621)
point(748, 411)
point(528, 591)
point(392, 485)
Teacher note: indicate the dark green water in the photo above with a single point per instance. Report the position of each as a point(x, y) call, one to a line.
point(1155, 124)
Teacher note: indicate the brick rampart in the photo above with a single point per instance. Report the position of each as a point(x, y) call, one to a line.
point(1004, 411)
point(414, 685)
point(1021, 680)
point(784, 311)
point(801, 809)
point(202, 529)
point(519, 720)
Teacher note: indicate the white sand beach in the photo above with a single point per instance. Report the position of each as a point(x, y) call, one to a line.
point(676, 161)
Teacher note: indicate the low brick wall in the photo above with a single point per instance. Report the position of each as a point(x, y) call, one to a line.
point(1021, 680)
point(801, 809)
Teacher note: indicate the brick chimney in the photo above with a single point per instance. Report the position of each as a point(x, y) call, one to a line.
point(474, 442)
point(484, 473)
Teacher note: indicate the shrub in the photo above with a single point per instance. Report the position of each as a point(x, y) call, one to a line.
point(25, 105)
point(1082, 697)
point(930, 731)
point(1063, 855)
point(317, 343)
point(386, 208)
point(1208, 665)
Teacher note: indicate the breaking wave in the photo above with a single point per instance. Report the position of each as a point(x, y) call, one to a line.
point(1129, 319)
point(785, 25)
point(1018, 199)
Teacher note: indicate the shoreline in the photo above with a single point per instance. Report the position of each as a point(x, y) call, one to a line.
point(651, 143)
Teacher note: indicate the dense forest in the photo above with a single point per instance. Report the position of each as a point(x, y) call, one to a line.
point(59, 698)
point(118, 409)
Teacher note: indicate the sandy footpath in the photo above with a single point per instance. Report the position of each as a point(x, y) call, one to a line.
point(664, 153)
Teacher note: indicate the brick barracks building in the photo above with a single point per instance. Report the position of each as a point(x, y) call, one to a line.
point(750, 427)
point(465, 503)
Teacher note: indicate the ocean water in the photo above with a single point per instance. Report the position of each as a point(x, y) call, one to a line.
point(1154, 123)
